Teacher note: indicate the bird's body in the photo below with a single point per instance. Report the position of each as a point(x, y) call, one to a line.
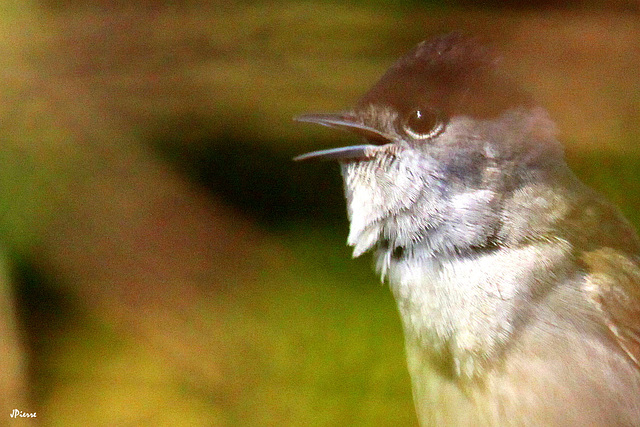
point(516, 336)
point(518, 287)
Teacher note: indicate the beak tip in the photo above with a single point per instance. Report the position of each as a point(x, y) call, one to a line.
point(309, 156)
point(321, 119)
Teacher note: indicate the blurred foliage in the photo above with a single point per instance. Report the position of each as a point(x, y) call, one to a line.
point(632, 5)
point(173, 265)
point(263, 181)
point(615, 176)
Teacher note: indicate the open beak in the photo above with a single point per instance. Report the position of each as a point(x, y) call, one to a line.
point(344, 121)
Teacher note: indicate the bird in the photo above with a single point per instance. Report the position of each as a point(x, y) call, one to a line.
point(517, 286)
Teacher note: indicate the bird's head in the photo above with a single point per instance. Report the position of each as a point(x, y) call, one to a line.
point(445, 133)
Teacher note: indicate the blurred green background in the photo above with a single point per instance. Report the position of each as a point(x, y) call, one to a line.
point(166, 263)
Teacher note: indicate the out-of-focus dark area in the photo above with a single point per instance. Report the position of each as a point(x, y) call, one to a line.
point(164, 262)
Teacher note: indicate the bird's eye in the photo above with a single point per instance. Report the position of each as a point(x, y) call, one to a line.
point(423, 123)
